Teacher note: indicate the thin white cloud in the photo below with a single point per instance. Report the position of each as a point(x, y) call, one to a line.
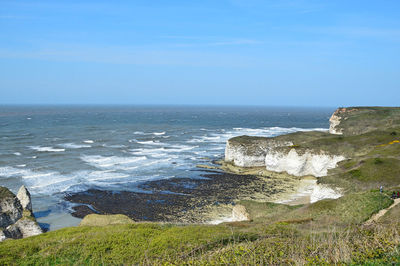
point(131, 55)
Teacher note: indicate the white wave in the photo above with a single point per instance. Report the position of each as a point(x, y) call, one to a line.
point(21, 165)
point(207, 138)
point(35, 180)
point(115, 146)
point(46, 149)
point(163, 151)
point(17, 153)
point(9, 171)
point(156, 162)
point(151, 133)
point(89, 141)
point(157, 152)
point(180, 148)
point(74, 146)
point(100, 175)
point(113, 162)
point(50, 182)
point(151, 142)
point(38, 174)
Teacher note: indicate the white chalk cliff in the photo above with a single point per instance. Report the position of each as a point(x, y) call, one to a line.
point(335, 122)
point(251, 154)
point(282, 156)
point(279, 160)
point(301, 165)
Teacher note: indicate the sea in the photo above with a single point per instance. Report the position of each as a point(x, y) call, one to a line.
point(55, 150)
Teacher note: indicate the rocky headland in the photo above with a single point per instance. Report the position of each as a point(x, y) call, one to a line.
point(16, 216)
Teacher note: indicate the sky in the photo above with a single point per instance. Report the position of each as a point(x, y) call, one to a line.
point(202, 52)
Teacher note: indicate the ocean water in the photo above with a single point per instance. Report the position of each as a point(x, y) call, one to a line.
point(54, 150)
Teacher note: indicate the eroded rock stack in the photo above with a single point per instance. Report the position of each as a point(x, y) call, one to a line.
point(16, 217)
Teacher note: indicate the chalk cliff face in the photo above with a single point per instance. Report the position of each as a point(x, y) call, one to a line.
point(334, 122)
point(248, 151)
point(280, 160)
point(301, 165)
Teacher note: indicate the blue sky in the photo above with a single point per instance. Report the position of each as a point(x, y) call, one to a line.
point(212, 52)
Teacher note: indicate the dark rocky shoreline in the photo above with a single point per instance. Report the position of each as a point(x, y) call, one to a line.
point(182, 200)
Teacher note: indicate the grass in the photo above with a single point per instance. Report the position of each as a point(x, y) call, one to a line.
point(115, 244)
point(353, 208)
point(103, 220)
point(154, 244)
point(277, 234)
point(263, 211)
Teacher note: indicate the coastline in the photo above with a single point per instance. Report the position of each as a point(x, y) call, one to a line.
point(209, 199)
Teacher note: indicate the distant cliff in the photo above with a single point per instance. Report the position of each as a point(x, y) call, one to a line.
point(359, 120)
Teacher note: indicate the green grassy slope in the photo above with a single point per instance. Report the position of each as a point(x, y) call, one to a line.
point(276, 234)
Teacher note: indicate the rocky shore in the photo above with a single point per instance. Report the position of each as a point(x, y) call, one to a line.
point(207, 199)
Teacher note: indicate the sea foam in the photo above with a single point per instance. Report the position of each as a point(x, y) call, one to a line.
point(46, 149)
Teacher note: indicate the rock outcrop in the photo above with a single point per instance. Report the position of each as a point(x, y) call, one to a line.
point(28, 227)
point(239, 213)
point(25, 198)
point(10, 208)
point(16, 218)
